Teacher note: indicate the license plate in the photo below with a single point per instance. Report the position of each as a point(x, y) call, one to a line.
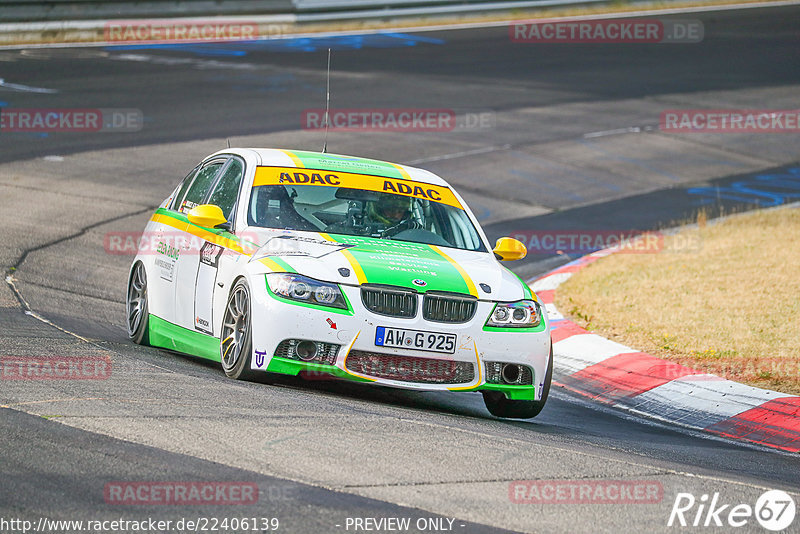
point(415, 339)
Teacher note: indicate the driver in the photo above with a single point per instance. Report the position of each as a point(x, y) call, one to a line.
point(392, 211)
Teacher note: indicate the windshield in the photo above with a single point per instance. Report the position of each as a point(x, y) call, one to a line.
point(337, 209)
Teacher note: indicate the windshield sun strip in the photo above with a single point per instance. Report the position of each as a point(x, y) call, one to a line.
point(289, 176)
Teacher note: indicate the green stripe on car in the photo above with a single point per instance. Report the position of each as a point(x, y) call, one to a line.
point(171, 336)
point(399, 263)
point(332, 162)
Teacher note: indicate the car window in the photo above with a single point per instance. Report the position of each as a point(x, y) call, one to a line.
point(199, 189)
point(340, 210)
point(176, 201)
point(227, 189)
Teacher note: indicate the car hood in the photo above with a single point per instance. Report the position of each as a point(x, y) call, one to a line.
point(358, 260)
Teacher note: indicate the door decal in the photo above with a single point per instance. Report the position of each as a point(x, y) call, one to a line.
point(204, 287)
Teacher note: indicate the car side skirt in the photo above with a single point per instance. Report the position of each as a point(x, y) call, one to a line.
point(173, 337)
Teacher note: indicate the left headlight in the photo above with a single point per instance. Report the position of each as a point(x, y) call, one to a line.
point(522, 314)
point(304, 289)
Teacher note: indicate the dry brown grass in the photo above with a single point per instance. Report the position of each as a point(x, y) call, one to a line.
point(730, 307)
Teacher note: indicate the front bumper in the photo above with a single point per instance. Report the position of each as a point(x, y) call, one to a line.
point(358, 358)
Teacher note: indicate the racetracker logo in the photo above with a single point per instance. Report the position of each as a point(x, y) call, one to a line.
point(774, 510)
point(171, 245)
point(730, 121)
point(620, 241)
point(607, 31)
point(586, 241)
point(165, 31)
point(70, 120)
point(398, 120)
point(585, 492)
point(180, 493)
point(55, 368)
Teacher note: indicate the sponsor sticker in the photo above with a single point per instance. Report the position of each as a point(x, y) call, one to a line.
point(294, 176)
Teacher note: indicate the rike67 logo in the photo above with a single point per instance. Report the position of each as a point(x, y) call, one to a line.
point(774, 510)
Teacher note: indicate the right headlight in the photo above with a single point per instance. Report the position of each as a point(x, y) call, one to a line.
point(304, 289)
point(522, 314)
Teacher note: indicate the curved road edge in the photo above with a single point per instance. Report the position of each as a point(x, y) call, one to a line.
point(615, 375)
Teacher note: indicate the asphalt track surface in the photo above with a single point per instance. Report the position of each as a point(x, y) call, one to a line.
point(573, 144)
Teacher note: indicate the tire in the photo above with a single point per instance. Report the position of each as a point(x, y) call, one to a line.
point(499, 406)
point(236, 335)
point(137, 310)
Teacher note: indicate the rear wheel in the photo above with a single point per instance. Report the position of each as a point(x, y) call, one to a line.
point(237, 337)
point(136, 306)
point(500, 406)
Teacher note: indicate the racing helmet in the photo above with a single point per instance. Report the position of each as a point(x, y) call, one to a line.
point(390, 209)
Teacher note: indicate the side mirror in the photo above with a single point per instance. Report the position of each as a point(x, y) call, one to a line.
point(206, 215)
point(509, 249)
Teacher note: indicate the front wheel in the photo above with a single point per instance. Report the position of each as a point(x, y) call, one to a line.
point(499, 406)
point(136, 306)
point(237, 337)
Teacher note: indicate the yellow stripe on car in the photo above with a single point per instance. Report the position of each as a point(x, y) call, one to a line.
point(207, 235)
point(297, 161)
point(364, 182)
point(273, 265)
point(467, 280)
point(480, 372)
point(402, 171)
point(360, 276)
point(344, 361)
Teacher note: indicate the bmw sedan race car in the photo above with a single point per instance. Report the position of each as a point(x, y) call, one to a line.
point(315, 264)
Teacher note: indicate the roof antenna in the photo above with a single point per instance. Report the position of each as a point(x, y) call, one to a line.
point(228, 139)
point(327, 104)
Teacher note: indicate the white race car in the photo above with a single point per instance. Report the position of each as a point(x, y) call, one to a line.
point(306, 263)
